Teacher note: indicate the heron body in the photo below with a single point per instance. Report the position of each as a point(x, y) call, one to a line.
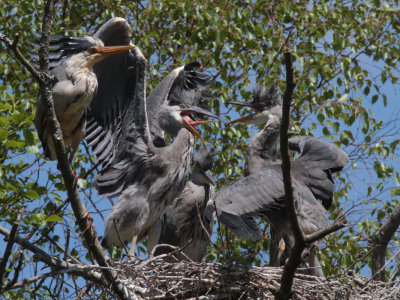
point(145, 176)
point(70, 63)
point(182, 224)
point(261, 192)
point(141, 204)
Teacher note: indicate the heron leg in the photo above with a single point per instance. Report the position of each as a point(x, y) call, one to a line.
point(132, 250)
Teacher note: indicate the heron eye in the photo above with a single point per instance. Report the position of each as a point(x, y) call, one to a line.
point(92, 50)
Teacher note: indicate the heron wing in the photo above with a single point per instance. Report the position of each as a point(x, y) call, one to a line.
point(123, 148)
point(317, 160)
point(111, 99)
point(256, 195)
point(183, 85)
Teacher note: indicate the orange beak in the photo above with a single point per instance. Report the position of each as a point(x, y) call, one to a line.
point(113, 49)
point(192, 130)
point(104, 52)
point(243, 119)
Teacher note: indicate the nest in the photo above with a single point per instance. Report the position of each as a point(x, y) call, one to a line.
point(171, 277)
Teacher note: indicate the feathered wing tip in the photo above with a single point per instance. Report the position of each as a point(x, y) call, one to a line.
point(243, 226)
point(264, 98)
point(61, 47)
point(114, 32)
point(204, 158)
point(188, 86)
point(328, 157)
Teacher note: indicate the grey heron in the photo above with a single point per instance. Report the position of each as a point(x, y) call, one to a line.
point(182, 224)
point(146, 177)
point(261, 192)
point(71, 60)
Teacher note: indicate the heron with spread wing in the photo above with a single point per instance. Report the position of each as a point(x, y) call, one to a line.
point(146, 177)
point(71, 61)
point(182, 224)
point(261, 192)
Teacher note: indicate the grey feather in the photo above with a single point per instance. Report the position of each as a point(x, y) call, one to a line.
point(180, 224)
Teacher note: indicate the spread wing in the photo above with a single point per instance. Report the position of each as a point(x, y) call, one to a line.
point(183, 85)
point(113, 82)
point(317, 160)
point(252, 196)
point(122, 145)
point(115, 76)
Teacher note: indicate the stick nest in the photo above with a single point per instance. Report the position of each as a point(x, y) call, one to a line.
point(169, 277)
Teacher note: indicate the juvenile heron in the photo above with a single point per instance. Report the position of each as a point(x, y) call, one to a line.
point(144, 176)
point(261, 192)
point(182, 224)
point(261, 151)
point(75, 84)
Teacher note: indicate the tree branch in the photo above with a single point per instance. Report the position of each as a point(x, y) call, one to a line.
point(379, 244)
point(301, 241)
point(81, 214)
point(13, 47)
point(299, 245)
point(56, 262)
point(10, 243)
point(311, 238)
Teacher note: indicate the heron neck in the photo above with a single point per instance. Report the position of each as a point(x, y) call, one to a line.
point(262, 147)
point(181, 150)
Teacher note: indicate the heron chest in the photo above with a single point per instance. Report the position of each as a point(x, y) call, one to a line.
point(72, 115)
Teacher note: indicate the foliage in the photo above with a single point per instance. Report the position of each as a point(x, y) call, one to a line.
point(346, 66)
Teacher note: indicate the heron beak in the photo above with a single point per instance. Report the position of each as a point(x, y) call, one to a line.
point(114, 49)
point(191, 129)
point(104, 52)
point(191, 109)
point(208, 177)
point(194, 123)
point(257, 118)
point(244, 119)
point(247, 104)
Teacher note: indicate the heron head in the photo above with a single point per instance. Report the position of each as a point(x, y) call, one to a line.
point(174, 118)
point(266, 102)
point(79, 52)
point(203, 162)
point(98, 52)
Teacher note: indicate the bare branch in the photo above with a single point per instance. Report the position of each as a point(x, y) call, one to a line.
point(380, 242)
point(10, 243)
point(13, 47)
point(299, 245)
point(308, 239)
point(56, 262)
point(80, 211)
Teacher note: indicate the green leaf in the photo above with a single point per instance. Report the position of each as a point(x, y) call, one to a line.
point(32, 149)
point(343, 98)
point(53, 218)
point(31, 194)
point(395, 192)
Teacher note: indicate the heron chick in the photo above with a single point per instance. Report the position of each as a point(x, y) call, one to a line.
point(75, 84)
point(182, 224)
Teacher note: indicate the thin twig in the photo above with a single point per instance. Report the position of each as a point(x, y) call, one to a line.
point(10, 243)
point(13, 47)
point(204, 228)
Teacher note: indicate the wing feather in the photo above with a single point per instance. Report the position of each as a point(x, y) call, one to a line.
point(317, 160)
point(123, 149)
point(256, 195)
